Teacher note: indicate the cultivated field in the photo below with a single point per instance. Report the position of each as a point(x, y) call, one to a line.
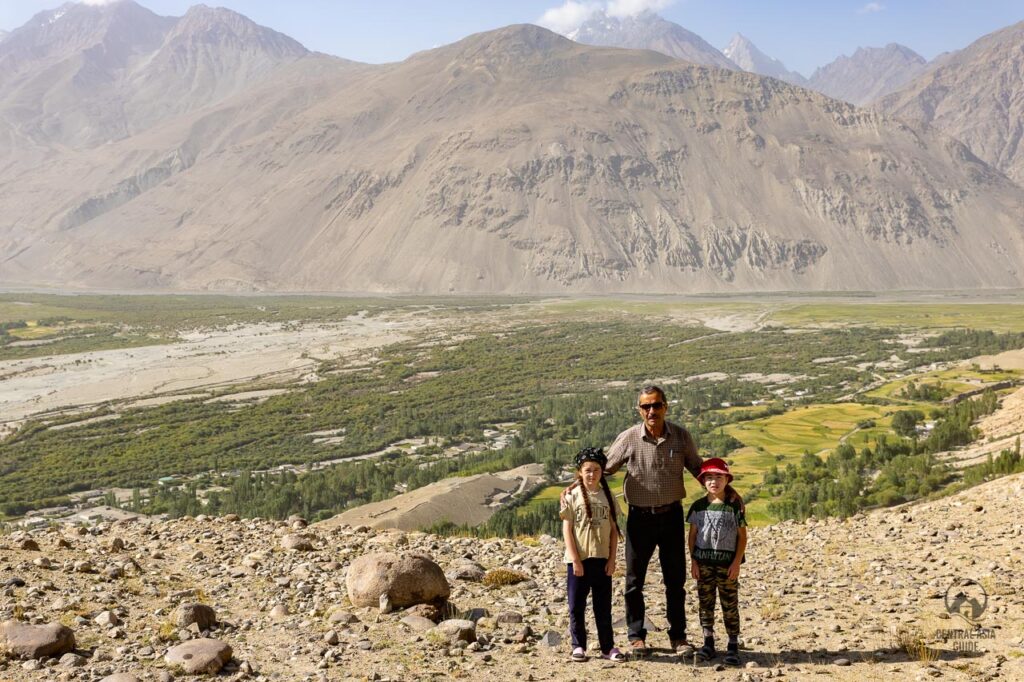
point(272, 405)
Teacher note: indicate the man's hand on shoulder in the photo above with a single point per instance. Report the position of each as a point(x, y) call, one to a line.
point(563, 499)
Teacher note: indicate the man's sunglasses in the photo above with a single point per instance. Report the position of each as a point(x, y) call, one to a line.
point(647, 407)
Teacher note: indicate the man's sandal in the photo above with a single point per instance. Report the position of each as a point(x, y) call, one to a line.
point(578, 655)
point(639, 648)
point(732, 657)
point(614, 655)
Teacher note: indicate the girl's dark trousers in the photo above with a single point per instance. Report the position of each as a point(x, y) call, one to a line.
point(599, 586)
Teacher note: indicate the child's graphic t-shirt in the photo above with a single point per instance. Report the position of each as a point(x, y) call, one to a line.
point(718, 525)
point(593, 535)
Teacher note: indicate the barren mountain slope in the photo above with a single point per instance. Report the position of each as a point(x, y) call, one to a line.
point(518, 161)
point(83, 76)
point(871, 72)
point(977, 96)
point(818, 600)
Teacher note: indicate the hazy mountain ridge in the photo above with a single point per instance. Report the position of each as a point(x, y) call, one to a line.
point(517, 160)
point(513, 161)
point(976, 95)
point(83, 75)
point(648, 31)
point(870, 73)
point(742, 52)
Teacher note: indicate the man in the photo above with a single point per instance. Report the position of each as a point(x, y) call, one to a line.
point(656, 453)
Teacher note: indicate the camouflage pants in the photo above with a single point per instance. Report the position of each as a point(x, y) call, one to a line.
point(714, 580)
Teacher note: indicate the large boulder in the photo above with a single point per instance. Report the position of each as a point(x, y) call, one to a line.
point(199, 656)
point(36, 641)
point(406, 579)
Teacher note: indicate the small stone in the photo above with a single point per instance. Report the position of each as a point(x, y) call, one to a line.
point(120, 677)
point(841, 662)
point(342, 617)
point(417, 623)
point(279, 612)
point(200, 615)
point(458, 629)
point(72, 661)
point(199, 656)
point(28, 544)
point(331, 638)
point(384, 604)
point(107, 619)
point(551, 639)
point(296, 543)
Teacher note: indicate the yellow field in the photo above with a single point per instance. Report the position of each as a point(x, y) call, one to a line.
point(999, 317)
point(33, 331)
point(810, 428)
point(956, 379)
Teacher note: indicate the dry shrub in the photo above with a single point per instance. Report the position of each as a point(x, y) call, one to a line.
point(504, 576)
point(911, 641)
point(770, 609)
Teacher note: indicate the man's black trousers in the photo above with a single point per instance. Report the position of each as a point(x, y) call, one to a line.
point(667, 532)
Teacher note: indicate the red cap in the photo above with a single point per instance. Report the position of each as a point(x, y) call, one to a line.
point(714, 465)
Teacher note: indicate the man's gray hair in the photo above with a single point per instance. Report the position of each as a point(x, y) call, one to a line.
point(651, 388)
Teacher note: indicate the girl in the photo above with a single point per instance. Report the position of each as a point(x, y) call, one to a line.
point(591, 530)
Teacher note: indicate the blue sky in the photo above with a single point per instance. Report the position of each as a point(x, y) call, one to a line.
point(804, 35)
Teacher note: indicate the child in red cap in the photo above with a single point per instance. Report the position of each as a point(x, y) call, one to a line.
point(717, 542)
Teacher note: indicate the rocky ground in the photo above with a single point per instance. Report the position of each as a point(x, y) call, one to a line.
point(850, 600)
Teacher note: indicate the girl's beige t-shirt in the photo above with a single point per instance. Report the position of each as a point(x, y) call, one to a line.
point(593, 535)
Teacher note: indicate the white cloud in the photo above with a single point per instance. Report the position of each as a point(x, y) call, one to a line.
point(569, 16)
point(572, 13)
point(871, 7)
point(629, 8)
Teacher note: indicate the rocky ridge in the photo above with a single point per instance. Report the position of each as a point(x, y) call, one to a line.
point(748, 57)
point(975, 95)
point(868, 74)
point(261, 599)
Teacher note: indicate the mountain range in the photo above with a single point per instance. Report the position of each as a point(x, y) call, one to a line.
point(209, 153)
point(976, 95)
point(745, 54)
point(871, 73)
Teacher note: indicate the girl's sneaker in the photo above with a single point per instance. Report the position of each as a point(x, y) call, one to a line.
point(578, 655)
point(614, 655)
